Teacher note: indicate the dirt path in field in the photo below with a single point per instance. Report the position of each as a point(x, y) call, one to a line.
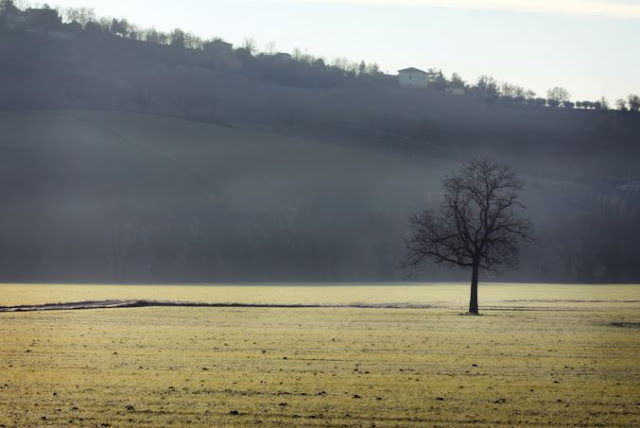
point(139, 303)
point(110, 304)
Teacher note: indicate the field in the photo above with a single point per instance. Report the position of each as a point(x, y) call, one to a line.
point(542, 355)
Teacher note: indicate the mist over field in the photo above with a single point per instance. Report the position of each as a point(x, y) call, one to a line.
point(123, 160)
point(106, 196)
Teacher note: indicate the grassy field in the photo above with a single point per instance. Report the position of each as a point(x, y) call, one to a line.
point(570, 360)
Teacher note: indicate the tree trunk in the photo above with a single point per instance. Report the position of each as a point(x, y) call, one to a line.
point(473, 302)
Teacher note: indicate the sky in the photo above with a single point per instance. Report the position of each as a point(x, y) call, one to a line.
point(590, 47)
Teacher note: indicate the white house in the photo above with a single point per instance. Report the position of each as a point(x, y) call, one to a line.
point(217, 45)
point(282, 56)
point(413, 78)
point(454, 90)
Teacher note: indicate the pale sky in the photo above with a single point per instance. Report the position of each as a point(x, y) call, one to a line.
point(590, 47)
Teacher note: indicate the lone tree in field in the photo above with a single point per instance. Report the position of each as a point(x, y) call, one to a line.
point(478, 225)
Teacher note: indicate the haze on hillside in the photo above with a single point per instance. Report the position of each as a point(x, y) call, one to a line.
point(585, 46)
point(144, 156)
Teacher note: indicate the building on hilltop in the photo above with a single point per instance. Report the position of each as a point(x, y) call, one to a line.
point(44, 19)
point(13, 18)
point(413, 78)
point(282, 56)
point(32, 19)
point(217, 45)
point(455, 90)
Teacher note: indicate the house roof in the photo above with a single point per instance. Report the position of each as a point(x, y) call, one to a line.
point(36, 11)
point(412, 70)
point(220, 42)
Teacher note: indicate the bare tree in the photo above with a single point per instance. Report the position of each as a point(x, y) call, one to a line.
point(270, 48)
point(604, 104)
point(557, 95)
point(178, 38)
point(634, 102)
point(457, 82)
point(151, 35)
point(621, 104)
point(250, 45)
point(154, 36)
point(507, 89)
point(362, 68)
point(82, 15)
point(437, 80)
point(191, 41)
point(478, 225)
point(120, 27)
point(487, 87)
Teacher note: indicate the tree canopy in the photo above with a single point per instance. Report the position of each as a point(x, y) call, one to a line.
point(557, 96)
point(479, 224)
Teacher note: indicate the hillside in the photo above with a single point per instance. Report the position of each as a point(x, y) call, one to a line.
point(83, 69)
point(113, 196)
point(123, 197)
point(124, 160)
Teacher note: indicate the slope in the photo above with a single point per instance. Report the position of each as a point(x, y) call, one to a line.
point(108, 196)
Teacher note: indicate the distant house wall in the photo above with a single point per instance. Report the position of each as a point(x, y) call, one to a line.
point(50, 15)
point(413, 77)
point(32, 19)
point(282, 56)
point(218, 46)
point(223, 45)
point(14, 19)
point(454, 90)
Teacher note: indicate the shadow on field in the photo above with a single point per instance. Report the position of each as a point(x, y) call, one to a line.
point(625, 324)
point(140, 303)
point(116, 304)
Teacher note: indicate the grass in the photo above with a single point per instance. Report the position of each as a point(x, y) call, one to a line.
point(564, 364)
point(436, 294)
